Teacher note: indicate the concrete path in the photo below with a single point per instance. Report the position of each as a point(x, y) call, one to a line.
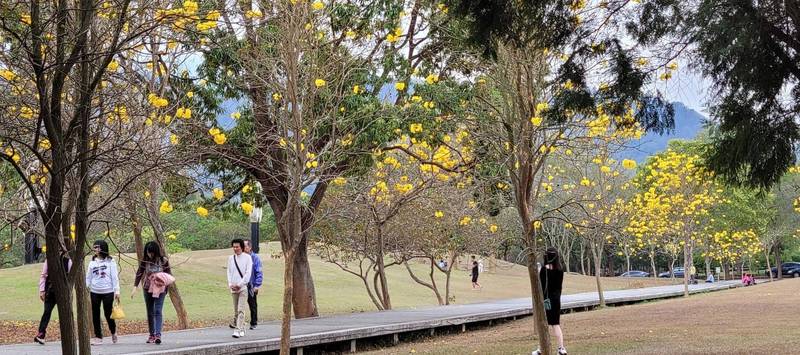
point(349, 327)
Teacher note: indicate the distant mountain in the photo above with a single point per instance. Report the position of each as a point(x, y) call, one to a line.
point(688, 123)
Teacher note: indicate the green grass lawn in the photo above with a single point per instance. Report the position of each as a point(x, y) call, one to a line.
point(201, 277)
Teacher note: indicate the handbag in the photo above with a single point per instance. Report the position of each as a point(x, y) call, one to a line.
point(116, 311)
point(547, 305)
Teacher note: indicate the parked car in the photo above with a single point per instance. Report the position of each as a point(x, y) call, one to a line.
point(635, 273)
point(678, 271)
point(790, 268)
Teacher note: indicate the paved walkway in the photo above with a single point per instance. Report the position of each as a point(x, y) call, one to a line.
point(348, 327)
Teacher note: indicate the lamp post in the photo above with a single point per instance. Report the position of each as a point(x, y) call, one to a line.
point(255, 219)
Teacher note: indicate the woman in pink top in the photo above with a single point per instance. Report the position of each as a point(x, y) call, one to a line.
point(48, 296)
point(152, 263)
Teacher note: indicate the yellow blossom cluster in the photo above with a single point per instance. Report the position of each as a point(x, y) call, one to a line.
point(165, 207)
point(157, 101)
point(217, 135)
point(732, 246)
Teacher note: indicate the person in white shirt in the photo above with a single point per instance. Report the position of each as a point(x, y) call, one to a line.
point(240, 267)
point(102, 279)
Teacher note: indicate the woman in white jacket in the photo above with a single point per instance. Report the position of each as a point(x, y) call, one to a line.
point(102, 279)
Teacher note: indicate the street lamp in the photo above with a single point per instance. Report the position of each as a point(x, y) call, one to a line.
point(255, 218)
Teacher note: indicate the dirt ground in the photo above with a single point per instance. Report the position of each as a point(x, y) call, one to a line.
point(24, 331)
point(764, 319)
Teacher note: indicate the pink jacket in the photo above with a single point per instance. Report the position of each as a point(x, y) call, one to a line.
point(43, 278)
point(159, 282)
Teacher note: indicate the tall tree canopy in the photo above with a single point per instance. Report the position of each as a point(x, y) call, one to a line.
point(750, 50)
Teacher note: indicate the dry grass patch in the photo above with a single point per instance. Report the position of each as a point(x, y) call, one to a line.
point(752, 320)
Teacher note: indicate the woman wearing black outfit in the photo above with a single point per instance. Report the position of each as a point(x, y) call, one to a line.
point(551, 277)
point(475, 270)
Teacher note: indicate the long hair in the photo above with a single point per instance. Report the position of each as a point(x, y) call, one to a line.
point(551, 257)
point(152, 248)
point(103, 249)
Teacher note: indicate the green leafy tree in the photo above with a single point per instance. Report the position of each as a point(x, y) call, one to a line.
point(751, 53)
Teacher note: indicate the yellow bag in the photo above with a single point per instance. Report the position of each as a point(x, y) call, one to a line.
point(116, 311)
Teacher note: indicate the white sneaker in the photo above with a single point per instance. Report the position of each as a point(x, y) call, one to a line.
point(236, 334)
point(537, 352)
point(97, 341)
point(562, 351)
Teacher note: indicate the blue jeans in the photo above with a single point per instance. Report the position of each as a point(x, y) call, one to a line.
point(155, 318)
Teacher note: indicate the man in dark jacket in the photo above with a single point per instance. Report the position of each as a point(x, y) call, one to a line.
point(256, 279)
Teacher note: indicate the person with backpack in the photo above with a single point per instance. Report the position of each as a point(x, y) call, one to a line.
point(256, 279)
point(551, 278)
point(240, 267)
point(48, 295)
point(102, 279)
point(149, 275)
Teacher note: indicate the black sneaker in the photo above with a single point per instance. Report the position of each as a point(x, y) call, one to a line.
point(39, 338)
point(253, 326)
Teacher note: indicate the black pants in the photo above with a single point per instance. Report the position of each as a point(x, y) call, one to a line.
point(49, 304)
point(253, 303)
point(108, 302)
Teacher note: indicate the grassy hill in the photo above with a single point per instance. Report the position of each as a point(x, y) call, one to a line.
point(201, 278)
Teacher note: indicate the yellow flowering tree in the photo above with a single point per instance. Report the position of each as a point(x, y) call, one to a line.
point(683, 191)
point(309, 77)
point(446, 225)
point(61, 117)
point(373, 202)
point(600, 192)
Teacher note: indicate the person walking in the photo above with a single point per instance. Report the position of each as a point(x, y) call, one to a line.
point(147, 275)
point(240, 267)
point(256, 279)
point(475, 272)
point(47, 295)
point(551, 277)
point(102, 279)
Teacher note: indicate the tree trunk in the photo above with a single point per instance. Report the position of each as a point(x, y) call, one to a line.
point(288, 300)
point(180, 309)
point(778, 261)
point(727, 268)
point(687, 267)
point(158, 232)
point(304, 299)
point(672, 267)
point(708, 266)
point(545, 344)
point(769, 268)
point(84, 312)
point(597, 254)
point(583, 268)
point(609, 270)
point(627, 261)
point(447, 282)
point(653, 262)
point(432, 285)
point(365, 279)
point(136, 225)
point(387, 302)
point(65, 316)
point(60, 278)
